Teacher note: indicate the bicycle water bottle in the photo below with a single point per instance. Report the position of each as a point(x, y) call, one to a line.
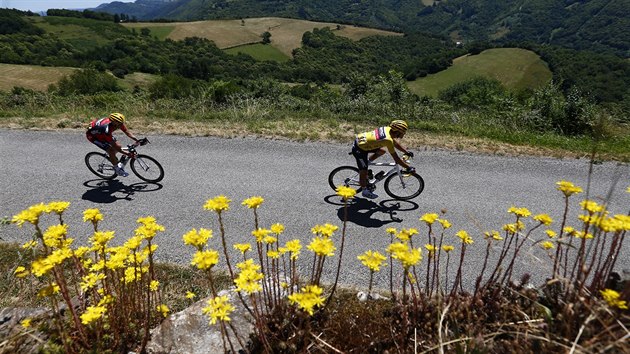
point(123, 159)
point(379, 176)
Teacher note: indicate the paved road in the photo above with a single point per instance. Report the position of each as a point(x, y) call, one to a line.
point(474, 190)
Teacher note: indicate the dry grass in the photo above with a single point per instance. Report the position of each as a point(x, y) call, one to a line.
point(286, 34)
point(30, 76)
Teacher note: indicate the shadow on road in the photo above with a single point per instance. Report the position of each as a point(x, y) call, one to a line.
point(367, 213)
point(109, 191)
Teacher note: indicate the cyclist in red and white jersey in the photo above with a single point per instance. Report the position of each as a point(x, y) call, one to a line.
point(375, 142)
point(99, 132)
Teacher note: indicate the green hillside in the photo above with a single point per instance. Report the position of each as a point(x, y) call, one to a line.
point(599, 25)
point(515, 68)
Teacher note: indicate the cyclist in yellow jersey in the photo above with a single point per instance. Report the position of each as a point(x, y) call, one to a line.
point(375, 142)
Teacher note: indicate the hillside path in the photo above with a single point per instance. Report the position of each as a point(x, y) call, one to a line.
point(474, 190)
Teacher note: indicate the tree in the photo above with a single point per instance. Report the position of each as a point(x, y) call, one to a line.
point(266, 37)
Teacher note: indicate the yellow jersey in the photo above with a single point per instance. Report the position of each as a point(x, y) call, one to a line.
point(376, 139)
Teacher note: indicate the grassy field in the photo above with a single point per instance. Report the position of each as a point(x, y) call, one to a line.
point(259, 51)
point(38, 78)
point(79, 32)
point(286, 34)
point(515, 68)
point(30, 76)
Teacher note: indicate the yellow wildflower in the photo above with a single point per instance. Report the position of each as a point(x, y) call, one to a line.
point(79, 252)
point(30, 215)
point(148, 228)
point(205, 259)
point(219, 204)
point(568, 188)
point(322, 247)
point(391, 230)
point(429, 218)
point(154, 285)
point(54, 235)
point(520, 212)
point(49, 290)
point(463, 235)
point(57, 207)
point(218, 308)
point(260, 234)
point(269, 240)
point(409, 258)
point(294, 246)
point(41, 267)
point(163, 309)
point(613, 299)
point(90, 280)
point(547, 245)
point(551, 233)
point(445, 223)
point(92, 313)
point(591, 207)
point(273, 254)
point(308, 298)
point(431, 248)
point(277, 228)
point(253, 202)
point(197, 238)
point(243, 247)
point(20, 272)
point(26, 323)
point(448, 248)
point(495, 235)
point(248, 279)
point(92, 215)
point(544, 219)
point(190, 295)
point(325, 230)
point(372, 260)
point(346, 192)
point(30, 244)
point(100, 238)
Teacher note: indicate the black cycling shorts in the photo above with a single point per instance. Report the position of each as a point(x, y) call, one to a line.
point(361, 156)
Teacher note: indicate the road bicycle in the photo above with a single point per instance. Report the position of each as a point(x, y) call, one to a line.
point(143, 166)
point(398, 183)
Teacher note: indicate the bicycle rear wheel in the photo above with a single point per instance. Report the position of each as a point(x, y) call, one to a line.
point(147, 168)
point(98, 164)
point(344, 176)
point(409, 187)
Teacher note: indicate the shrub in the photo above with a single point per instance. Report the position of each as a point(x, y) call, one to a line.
point(87, 82)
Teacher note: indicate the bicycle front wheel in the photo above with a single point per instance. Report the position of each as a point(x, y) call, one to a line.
point(147, 168)
point(344, 176)
point(409, 187)
point(98, 164)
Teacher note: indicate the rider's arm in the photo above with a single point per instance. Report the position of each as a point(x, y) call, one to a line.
point(128, 133)
point(400, 161)
point(400, 147)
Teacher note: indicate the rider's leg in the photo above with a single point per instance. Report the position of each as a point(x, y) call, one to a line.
point(111, 152)
point(377, 153)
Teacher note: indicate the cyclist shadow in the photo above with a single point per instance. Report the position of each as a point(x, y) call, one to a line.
point(364, 212)
point(104, 191)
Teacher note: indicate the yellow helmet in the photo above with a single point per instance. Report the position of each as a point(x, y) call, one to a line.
point(399, 126)
point(117, 117)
